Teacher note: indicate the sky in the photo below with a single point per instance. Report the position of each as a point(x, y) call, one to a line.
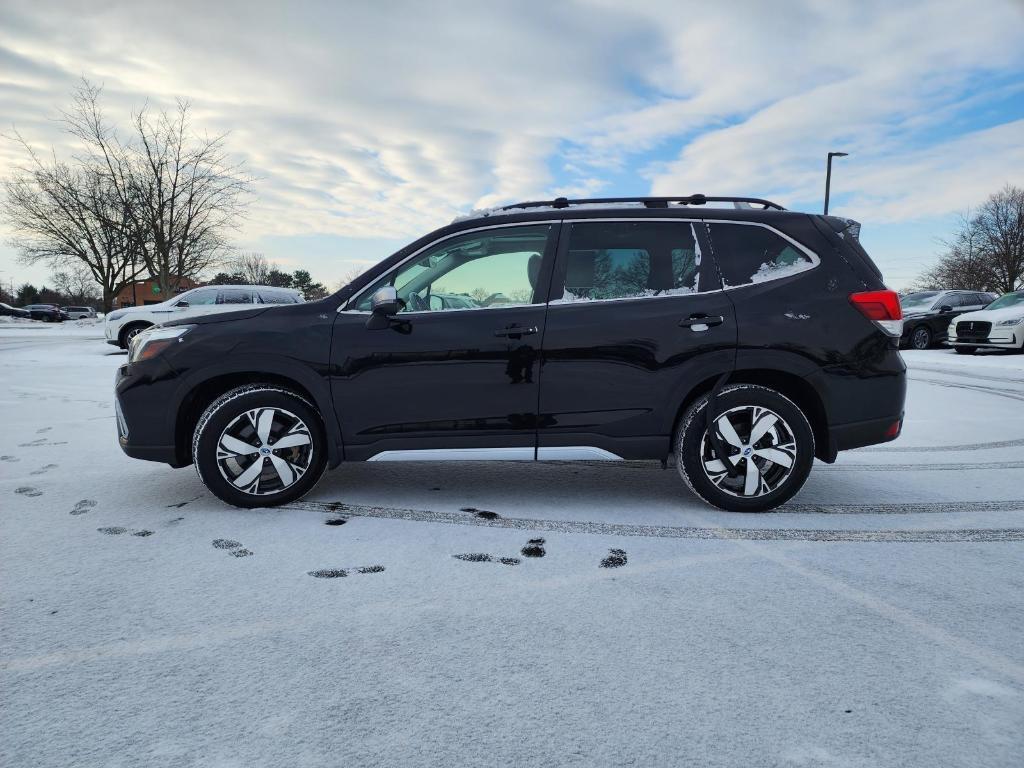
point(368, 124)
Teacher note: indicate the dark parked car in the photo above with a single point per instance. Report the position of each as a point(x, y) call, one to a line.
point(6, 310)
point(48, 313)
point(647, 328)
point(926, 314)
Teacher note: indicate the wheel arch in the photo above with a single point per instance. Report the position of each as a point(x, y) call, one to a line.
point(198, 394)
point(791, 385)
point(128, 326)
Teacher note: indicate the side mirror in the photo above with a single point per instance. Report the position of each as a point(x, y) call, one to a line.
point(181, 305)
point(384, 303)
point(945, 308)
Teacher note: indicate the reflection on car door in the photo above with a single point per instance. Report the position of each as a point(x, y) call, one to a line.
point(637, 319)
point(463, 382)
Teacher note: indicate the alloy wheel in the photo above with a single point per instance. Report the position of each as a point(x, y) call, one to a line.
point(264, 451)
point(759, 444)
point(922, 338)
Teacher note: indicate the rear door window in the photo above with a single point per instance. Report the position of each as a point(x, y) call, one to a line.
point(234, 296)
point(275, 297)
point(749, 254)
point(629, 260)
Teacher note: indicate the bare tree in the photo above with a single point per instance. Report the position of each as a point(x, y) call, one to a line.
point(987, 251)
point(1000, 228)
point(76, 282)
point(181, 190)
point(70, 216)
point(252, 268)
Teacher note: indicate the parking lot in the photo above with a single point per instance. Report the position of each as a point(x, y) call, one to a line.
point(540, 614)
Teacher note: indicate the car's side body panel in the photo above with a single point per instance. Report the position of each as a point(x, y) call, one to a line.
point(606, 375)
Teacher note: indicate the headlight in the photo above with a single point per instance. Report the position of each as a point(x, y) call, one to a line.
point(152, 342)
point(115, 315)
point(1014, 321)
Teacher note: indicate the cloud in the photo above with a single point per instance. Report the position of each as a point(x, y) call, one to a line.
point(384, 120)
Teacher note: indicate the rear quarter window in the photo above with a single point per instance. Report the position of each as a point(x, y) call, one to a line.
point(748, 254)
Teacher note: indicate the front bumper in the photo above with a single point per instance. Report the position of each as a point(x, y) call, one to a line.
point(998, 338)
point(144, 429)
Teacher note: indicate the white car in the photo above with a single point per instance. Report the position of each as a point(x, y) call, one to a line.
point(1000, 325)
point(122, 325)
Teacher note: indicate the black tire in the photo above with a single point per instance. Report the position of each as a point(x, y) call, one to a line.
point(690, 444)
point(965, 350)
point(921, 337)
point(47, 319)
point(129, 332)
point(223, 411)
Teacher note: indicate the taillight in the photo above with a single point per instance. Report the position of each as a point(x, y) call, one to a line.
point(882, 308)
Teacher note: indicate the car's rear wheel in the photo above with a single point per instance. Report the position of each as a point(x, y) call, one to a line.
point(921, 338)
point(965, 350)
point(259, 446)
point(763, 435)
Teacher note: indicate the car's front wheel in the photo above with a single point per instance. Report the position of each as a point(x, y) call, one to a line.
point(753, 453)
point(259, 446)
point(130, 332)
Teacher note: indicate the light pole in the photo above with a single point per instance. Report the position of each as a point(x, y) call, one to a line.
point(828, 175)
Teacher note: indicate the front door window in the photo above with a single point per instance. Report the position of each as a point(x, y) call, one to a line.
point(495, 268)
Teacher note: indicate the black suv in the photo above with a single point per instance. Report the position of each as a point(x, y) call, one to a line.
point(740, 342)
point(927, 314)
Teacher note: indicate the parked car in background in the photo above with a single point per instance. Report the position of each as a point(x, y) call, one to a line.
point(6, 310)
point(926, 314)
point(48, 313)
point(80, 313)
point(650, 328)
point(1000, 325)
point(122, 325)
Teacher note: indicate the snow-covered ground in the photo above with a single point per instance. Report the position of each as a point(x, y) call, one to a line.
point(877, 621)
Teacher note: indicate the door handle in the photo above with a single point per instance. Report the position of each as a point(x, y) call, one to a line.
point(693, 321)
point(516, 331)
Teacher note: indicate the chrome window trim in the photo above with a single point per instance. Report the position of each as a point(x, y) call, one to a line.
point(815, 262)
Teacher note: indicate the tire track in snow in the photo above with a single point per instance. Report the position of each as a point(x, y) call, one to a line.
point(820, 467)
point(1012, 394)
point(717, 533)
point(932, 448)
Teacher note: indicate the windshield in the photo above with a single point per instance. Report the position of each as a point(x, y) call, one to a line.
point(918, 301)
point(1009, 300)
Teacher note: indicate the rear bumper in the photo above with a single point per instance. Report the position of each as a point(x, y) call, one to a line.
point(871, 432)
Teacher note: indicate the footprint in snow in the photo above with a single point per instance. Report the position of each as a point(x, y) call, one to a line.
point(616, 559)
point(534, 548)
point(28, 490)
point(44, 429)
point(480, 557)
point(43, 470)
point(233, 547)
point(336, 521)
point(9, 458)
point(338, 573)
point(482, 513)
point(83, 506)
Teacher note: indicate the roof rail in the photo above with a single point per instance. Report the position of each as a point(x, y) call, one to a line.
point(648, 202)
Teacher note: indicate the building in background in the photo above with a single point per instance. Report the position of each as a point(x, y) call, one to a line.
point(144, 292)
